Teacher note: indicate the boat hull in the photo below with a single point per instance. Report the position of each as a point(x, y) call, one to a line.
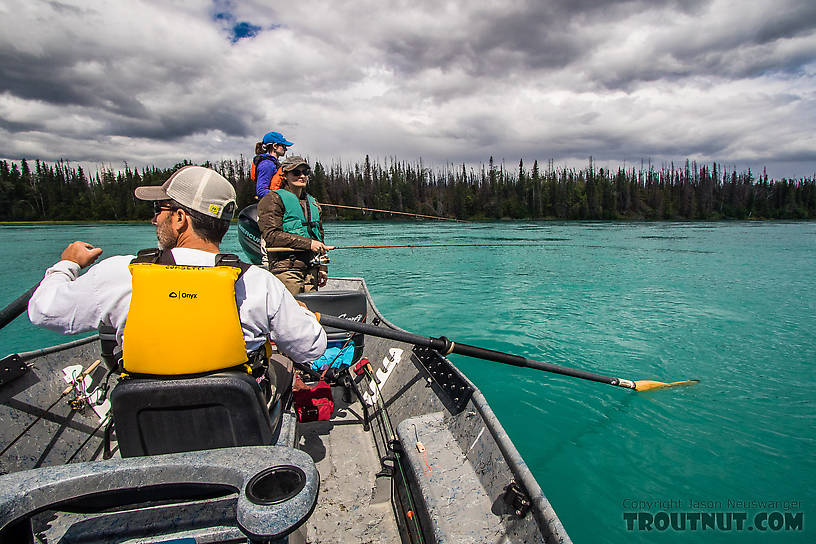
point(412, 453)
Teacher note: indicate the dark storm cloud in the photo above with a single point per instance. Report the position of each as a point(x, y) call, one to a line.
point(57, 79)
point(501, 39)
point(725, 44)
point(173, 126)
point(13, 127)
point(585, 37)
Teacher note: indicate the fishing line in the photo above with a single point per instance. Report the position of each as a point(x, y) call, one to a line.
point(392, 212)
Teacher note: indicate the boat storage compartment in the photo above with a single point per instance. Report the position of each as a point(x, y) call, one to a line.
point(457, 507)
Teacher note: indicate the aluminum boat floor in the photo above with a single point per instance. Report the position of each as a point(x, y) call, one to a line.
point(350, 508)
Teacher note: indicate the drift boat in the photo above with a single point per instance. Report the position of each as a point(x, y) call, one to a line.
point(412, 451)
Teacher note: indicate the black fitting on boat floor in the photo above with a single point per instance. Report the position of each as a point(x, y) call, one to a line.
point(387, 470)
point(11, 368)
point(517, 499)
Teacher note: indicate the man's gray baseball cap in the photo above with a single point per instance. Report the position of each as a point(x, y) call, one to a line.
point(200, 189)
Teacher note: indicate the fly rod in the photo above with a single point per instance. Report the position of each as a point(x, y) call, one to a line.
point(281, 249)
point(391, 211)
point(446, 347)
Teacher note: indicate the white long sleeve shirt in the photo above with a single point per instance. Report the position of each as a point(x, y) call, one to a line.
point(69, 303)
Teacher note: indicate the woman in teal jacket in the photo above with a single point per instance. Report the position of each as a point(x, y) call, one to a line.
point(290, 218)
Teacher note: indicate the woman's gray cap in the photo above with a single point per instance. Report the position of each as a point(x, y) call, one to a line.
point(290, 163)
point(200, 189)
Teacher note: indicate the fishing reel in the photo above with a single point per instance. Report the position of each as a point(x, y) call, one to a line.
point(319, 260)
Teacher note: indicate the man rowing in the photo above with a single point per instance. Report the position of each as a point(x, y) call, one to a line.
point(183, 308)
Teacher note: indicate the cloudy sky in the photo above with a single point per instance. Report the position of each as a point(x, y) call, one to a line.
point(446, 81)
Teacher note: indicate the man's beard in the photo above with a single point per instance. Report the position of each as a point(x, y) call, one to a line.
point(165, 235)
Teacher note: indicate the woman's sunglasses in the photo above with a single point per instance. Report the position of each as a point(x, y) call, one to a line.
point(301, 172)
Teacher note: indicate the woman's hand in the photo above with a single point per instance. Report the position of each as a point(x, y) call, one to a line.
point(322, 278)
point(319, 247)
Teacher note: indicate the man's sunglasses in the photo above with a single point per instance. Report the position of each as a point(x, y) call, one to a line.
point(301, 172)
point(160, 206)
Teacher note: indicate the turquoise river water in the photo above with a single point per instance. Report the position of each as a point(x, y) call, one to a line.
point(730, 304)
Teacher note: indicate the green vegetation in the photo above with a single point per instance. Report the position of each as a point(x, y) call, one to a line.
point(694, 192)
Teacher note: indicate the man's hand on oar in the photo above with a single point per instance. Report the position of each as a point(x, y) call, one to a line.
point(446, 347)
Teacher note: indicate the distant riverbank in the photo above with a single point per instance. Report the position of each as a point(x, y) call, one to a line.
point(702, 192)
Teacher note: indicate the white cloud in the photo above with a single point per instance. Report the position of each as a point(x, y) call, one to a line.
point(157, 82)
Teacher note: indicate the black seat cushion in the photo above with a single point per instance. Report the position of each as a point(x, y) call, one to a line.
point(155, 415)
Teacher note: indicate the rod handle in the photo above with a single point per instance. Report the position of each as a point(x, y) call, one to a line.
point(82, 376)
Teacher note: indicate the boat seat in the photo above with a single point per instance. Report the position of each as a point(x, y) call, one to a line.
point(346, 304)
point(168, 415)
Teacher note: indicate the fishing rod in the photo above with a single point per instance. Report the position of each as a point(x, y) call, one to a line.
point(392, 212)
point(446, 347)
point(65, 391)
point(282, 249)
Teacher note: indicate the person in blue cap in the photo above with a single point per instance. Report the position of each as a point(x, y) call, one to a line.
point(266, 172)
point(266, 163)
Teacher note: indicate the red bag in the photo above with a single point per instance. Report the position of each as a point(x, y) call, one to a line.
point(314, 403)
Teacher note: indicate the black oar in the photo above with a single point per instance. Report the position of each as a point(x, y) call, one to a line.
point(446, 347)
point(17, 307)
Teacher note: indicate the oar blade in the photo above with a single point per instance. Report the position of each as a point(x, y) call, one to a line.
point(648, 385)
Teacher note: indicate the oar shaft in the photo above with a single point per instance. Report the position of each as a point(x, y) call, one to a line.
point(18, 306)
point(515, 360)
point(445, 346)
point(382, 332)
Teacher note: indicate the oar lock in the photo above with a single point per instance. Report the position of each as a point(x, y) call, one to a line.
point(443, 345)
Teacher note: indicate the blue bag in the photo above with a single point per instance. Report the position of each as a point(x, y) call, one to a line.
point(335, 356)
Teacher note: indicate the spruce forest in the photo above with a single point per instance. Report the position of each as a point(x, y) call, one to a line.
point(61, 191)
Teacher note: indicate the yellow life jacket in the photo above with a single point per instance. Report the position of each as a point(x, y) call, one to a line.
point(182, 319)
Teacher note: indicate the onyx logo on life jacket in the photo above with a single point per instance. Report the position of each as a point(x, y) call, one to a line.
point(182, 294)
